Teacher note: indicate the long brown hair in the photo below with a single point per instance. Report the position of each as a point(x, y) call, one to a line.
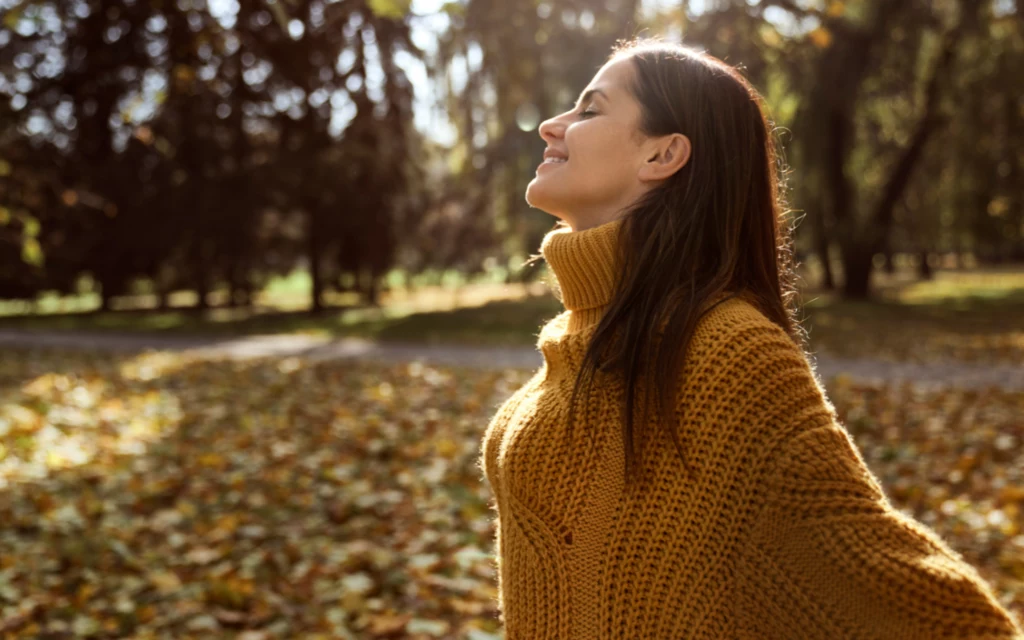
point(712, 230)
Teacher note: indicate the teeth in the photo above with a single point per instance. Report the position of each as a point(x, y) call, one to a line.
point(553, 160)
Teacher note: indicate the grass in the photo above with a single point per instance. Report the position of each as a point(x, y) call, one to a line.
point(969, 315)
point(476, 314)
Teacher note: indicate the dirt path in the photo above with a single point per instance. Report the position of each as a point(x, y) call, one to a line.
point(961, 374)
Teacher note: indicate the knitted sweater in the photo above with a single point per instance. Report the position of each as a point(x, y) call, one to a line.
point(783, 533)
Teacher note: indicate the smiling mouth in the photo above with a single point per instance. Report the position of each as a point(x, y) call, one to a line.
point(555, 160)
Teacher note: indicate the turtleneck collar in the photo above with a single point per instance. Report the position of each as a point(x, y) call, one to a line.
point(585, 263)
point(587, 268)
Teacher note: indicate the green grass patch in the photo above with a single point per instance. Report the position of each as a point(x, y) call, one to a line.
point(968, 315)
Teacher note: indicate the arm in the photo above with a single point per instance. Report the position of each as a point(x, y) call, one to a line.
point(827, 556)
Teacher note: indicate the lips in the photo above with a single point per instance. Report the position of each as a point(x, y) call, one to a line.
point(548, 165)
point(553, 157)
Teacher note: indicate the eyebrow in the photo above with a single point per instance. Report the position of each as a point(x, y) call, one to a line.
point(587, 95)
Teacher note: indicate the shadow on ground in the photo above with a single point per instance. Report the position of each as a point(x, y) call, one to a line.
point(975, 328)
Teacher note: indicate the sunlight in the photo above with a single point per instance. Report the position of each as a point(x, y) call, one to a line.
point(62, 420)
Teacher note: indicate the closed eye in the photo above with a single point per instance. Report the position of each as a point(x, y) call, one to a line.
point(587, 113)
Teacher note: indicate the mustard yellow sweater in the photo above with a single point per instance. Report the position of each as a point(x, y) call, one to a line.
point(785, 533)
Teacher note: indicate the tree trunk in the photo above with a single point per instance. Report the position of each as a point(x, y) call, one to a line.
point(373, 291)
point(202, 287)
point(238, 287)
point(857, 263)
point(828, 282)
point(890, 265)
point(315, 274)
point(924, 270)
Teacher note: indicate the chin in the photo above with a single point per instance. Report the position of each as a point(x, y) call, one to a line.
point(539, 196)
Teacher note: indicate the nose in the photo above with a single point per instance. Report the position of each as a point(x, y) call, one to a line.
point(551, 129)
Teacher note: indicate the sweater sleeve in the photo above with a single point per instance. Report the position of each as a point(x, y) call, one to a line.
point(828, 556)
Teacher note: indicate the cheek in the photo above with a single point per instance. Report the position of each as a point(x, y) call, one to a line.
point(602, 148)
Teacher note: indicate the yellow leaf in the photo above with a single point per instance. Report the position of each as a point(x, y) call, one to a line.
point(1012, 493)
point(30, 225)
point(165, 581)
point(394, 9)
point(821, 37)
point(388, 624)
point(24, 419)
point(144, 134)
point(184, 73)
point(227, 522)
point(12, 18)
point(447, 448)
point(211, 460)
point(55, 460)
point(771, 37)
point(85, 592)
point(31, 252)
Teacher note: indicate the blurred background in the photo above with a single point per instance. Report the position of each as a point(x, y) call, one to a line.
point(264, 280)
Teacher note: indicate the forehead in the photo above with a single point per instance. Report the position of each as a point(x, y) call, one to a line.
point(613, 77)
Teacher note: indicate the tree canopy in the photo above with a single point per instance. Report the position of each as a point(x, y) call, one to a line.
point(196, 144)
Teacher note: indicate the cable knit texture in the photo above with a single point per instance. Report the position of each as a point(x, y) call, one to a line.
point(783, 533)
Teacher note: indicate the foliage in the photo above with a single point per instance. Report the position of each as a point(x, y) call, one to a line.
point(168, 497)
point(859, 92)
point(198, 144)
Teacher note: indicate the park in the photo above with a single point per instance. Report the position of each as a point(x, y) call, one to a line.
point(267, 273)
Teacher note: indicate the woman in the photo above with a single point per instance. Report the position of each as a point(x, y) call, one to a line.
point(740, 507)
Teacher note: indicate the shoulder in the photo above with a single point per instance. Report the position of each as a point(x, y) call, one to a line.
point(731, 330)
point(741, 358)
point(735, 328)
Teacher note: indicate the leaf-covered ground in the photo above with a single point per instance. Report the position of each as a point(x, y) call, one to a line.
point(164, 497)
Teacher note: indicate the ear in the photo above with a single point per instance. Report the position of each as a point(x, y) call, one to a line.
point(668, 155)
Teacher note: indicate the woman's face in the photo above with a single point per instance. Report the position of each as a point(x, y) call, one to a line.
point(599, 142)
